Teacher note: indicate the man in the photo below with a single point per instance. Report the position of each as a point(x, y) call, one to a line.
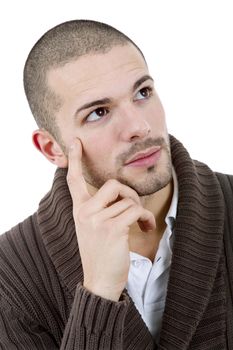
point(132, 246)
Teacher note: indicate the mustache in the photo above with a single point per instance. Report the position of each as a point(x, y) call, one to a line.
point(142, 146)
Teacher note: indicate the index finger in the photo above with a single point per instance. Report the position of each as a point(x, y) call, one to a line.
point(75, 179)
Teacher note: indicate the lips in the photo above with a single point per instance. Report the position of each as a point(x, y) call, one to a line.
point(141, 155)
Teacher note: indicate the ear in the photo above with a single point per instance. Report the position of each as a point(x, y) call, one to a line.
point(49, 147)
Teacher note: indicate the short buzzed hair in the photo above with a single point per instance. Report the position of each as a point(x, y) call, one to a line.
point(61, 44)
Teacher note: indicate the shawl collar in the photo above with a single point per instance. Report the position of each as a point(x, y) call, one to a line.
point(197, 252)
point(197, 246)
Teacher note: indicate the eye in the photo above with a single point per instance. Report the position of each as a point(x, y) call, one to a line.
point(144, 93)
point(97, 114)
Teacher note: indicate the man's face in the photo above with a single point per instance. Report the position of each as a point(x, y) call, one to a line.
point(109, 103)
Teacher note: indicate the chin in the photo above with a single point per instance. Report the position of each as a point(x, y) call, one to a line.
point(154, 180)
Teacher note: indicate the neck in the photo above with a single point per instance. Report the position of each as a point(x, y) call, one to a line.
point(159, 203)
point(146, 243)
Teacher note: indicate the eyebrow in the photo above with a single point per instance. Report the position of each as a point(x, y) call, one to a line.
point(141, 80)
point(107, 100)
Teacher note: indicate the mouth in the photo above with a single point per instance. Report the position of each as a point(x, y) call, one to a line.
point(146, 158)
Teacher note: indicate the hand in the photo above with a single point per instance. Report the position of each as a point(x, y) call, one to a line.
point(102, 224)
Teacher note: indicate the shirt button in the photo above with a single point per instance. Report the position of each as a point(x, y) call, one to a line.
point(137, 263)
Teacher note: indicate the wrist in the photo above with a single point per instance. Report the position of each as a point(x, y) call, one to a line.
point(103, 292)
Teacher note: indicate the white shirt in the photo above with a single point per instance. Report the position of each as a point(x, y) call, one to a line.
point(147, 282)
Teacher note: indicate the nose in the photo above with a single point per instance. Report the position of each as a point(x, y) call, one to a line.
point(134, 125)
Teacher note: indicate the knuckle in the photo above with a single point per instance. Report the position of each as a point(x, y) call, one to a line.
point(137, 209)
point(94, 221)
point(148, 212)
point(133, 191)
point(135, 196)
point(80, 214)
point(112, 182)
point(70, 179)
point(130, 202)
point(125, 232)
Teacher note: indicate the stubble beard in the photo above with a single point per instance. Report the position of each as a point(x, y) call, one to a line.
point(156, 177)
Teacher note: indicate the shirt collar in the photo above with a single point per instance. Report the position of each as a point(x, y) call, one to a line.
point(171, 214)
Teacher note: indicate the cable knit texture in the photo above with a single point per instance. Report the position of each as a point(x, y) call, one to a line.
point(43, 304)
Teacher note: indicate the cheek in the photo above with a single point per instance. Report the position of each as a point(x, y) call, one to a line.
point(157, 116)
point(97, 148)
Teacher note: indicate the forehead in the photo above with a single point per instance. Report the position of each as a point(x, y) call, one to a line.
point(98, 71)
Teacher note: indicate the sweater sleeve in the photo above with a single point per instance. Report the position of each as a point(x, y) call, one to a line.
point(95, 323)
point(38, 313)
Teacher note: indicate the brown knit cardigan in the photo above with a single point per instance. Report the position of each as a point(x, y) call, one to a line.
point(44, 306)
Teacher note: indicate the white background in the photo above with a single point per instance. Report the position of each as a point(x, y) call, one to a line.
point(188, 46)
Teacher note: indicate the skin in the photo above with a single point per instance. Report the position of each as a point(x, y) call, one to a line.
point(98, 141)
